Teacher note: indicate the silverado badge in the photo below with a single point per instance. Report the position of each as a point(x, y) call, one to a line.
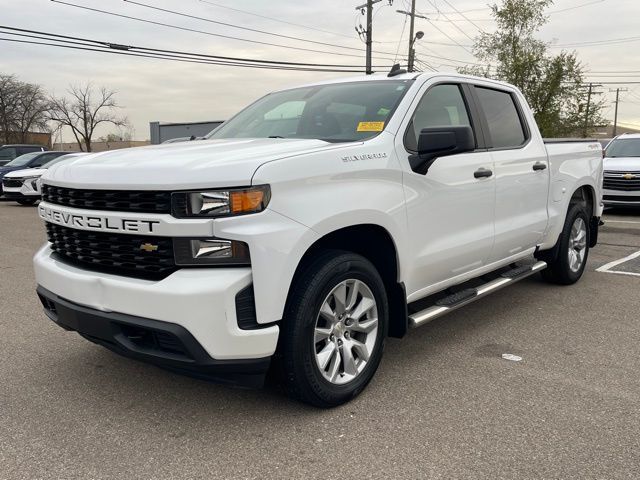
point(147, 247)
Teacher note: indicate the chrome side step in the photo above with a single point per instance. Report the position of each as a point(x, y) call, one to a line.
point(464, 297)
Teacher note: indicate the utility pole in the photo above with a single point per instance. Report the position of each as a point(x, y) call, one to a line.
point(615, 118)
point(367, 9)
point(586, 117)
point(412, 38)
point(590, 94)
point(412, 20)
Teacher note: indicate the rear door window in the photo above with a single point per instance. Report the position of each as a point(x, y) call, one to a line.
point(505, 124)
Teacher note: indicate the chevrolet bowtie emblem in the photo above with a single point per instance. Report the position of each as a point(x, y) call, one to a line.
point(628, 176)
point(147, 247)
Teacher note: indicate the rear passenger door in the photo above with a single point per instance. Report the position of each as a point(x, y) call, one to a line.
point(521, 172)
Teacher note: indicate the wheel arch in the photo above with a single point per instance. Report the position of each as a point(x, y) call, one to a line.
point(586, 195)
point(377, 245)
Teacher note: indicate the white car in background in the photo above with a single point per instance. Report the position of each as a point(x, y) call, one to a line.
point(622, 171)
point(23, 186)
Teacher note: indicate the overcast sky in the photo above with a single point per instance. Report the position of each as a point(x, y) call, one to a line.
point(151, 89)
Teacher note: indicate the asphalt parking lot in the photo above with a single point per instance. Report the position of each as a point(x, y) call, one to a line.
point(444, 404)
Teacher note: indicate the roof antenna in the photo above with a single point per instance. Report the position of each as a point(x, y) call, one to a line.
point(396, 70)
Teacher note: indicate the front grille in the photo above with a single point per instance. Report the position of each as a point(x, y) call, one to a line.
point(141, 201)
point(11, 183)
point(116, 253)
point(616, 181)
point(621, 198)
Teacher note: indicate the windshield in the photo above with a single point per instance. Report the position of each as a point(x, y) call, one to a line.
point(50, 163)
point(629, 147)
point(341, 112)
point(22, 160)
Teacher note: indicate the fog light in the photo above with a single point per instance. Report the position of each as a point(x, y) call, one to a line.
point(210, 251)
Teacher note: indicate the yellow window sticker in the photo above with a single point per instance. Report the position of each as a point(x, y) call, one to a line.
point(370, 126)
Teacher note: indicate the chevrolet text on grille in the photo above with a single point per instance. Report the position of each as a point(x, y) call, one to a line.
point(95, 221)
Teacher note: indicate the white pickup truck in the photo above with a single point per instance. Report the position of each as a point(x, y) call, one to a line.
point(312, 225)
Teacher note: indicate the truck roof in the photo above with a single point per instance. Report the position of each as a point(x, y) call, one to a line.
point(403, 76)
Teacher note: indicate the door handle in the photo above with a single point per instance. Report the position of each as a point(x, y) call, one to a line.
point(483, 173)
point(539, 166)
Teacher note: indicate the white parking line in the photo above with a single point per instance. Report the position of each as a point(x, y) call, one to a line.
point(620, 221)
point(607, 268)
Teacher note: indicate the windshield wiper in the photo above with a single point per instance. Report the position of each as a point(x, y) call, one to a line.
point(275, 136)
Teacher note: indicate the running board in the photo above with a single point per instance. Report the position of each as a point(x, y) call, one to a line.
point(464, 297)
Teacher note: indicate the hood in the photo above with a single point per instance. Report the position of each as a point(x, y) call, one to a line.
point(202, 164)
point(27, 172)
point(622, 164)
point(5, 170)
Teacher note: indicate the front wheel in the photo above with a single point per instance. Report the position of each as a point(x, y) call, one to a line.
point(333, 330)
point(568, 259)
point(27, 201)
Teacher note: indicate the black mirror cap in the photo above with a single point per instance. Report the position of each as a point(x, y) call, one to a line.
point(436, 142)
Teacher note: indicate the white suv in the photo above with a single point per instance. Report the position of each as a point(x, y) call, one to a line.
point(622, 171)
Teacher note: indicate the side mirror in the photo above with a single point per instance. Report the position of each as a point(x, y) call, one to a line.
point(436, 142)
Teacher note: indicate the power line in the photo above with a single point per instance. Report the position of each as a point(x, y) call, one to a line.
point(404, 26)
point(263, 32)
point(610, 41)
point(102, 46)
point(465, 17)
point(308, 27)
point(173, 58)
point(452, 23)
point(177, 27)
point(553, 12)
point(119, 46)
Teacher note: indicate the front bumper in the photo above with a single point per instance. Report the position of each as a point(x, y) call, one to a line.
point(167, 345)
point(621, 198)
point(27, 190)
point(13, 195)
point(200, 300)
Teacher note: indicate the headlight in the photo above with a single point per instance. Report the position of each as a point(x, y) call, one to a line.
point(220, 203)
point(210, 251)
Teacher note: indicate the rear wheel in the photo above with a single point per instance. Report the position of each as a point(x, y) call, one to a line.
point(333, 330)
point(568, 259)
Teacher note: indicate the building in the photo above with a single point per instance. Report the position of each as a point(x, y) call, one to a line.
point(29, 138)
point(161, 131)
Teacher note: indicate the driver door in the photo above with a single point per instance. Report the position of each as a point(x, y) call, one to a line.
point(450, 211)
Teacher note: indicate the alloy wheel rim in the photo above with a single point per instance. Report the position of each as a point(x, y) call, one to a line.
point(345, 331)
point(577, 244)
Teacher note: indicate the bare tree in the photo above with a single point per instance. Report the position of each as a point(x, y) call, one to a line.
point(33, 110)
point(23, 109)
point(8, 106)
point(84, 110)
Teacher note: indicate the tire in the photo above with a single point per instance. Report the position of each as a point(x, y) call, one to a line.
point(326, 359)
point(563, 266)
point(29, 202)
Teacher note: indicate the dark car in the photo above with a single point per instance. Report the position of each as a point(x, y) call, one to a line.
point(9, 152)
point(28, 160)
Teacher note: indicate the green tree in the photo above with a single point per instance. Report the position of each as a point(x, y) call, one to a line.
point(553, 84)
